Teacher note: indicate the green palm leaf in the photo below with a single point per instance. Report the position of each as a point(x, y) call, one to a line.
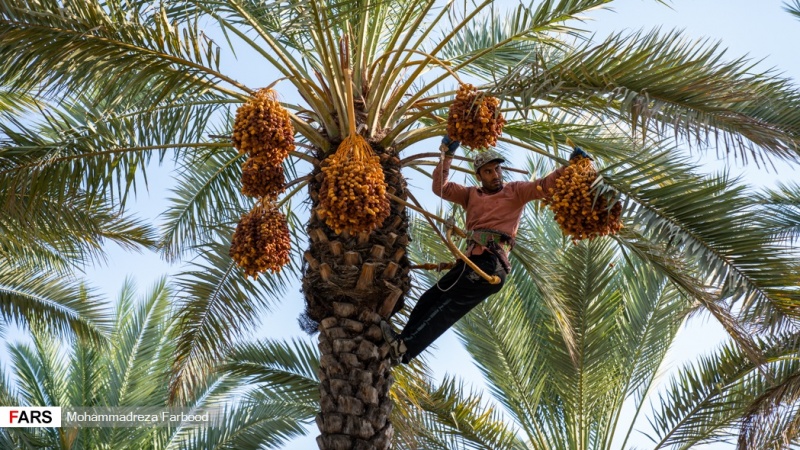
point(247, 426)
point(133, 369)
point(772, 419)
point(14, 102)
point(99, 149)
point(705, 401)
point(782, 211)
point(63, 234)
point(206, 198)
point(285, 370)
point(491, 47)
point(69, 45)
point(793, 8)
point(447, 416)
point(217, 304)
point(61, 305)
point(140, 336)
point(663, 81)
point(34, 388)
point(738, 257)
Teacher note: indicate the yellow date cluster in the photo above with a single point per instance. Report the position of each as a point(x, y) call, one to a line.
point(262, 179)
point(577, 211)
point(474, 118)
point(263, 130)
point(261, 241)
point(352, 194)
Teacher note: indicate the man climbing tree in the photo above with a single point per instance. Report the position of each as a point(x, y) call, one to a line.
point(493, 212)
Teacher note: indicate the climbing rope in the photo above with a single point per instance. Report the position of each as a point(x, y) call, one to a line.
point(432, 266)
point(451, 228)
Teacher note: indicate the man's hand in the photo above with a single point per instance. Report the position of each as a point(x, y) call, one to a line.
point(579, 153)
point(449, 146)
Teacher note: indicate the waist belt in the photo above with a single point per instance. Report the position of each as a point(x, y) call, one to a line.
point(496, 242)
point(484, 236)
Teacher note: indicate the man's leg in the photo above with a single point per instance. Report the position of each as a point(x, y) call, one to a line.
point(431, 298)
point(427, 302)
point(441, 306)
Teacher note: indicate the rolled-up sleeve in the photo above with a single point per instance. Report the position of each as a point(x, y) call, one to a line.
point(445, 189)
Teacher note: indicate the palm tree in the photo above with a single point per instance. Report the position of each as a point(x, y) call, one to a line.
point(130, 81)
point(132, 369)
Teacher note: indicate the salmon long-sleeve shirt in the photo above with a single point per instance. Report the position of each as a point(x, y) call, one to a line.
point(502, 210)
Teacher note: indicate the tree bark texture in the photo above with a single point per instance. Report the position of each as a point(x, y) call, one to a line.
point(350, 283)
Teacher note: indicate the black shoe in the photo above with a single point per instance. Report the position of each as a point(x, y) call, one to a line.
point(397, 348)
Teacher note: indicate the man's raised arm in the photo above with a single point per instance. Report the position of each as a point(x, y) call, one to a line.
point(443, 188)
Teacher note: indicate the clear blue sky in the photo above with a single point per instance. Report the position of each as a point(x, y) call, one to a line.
point(763, 32)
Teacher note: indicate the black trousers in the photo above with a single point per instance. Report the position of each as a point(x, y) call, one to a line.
point(447, 301)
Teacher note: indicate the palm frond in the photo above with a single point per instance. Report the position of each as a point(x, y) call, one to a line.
point(281, 397)
point(283, 31)
point(538, 237)
point(35, 384)
point(13, 103)
point(489, 43)
point(447, 416)
point(61, 304)
point(781, 211)
point(217, 304)
point(662, 81)
point(14, 437)
point(286, 22)
point(92, 44)
point(771, 421)
point(133, 369)
point(653, 314)
point(8, 394)
point(246, 426)
point(493, 45)
point(517, 379)
point(206, 197)
point(709, 220)
point(56, 235)
point(285, 370)
point(554, 128)
point(87, 374)
point(792, 8)
point(550, 15)
point(97, 145)
point(592, 293)
point(140, 339)
point(706, 401)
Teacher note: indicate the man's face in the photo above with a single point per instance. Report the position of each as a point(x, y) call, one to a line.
point(491, 176)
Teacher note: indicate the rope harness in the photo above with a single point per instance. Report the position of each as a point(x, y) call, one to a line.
point(494, 241)
point(451, 228)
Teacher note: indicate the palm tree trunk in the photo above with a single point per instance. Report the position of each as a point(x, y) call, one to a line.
point(350, 283)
